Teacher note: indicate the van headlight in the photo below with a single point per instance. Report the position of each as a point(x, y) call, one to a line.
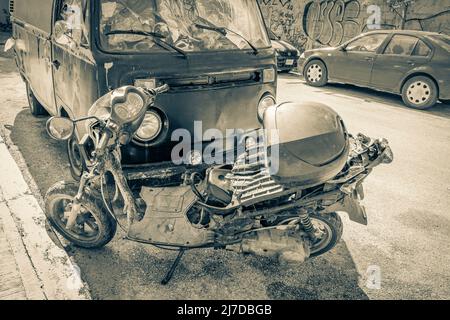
point(269, 75)
point(151, 127)
point(266, 102)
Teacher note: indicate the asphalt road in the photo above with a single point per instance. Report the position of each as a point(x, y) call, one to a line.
point(408, 237)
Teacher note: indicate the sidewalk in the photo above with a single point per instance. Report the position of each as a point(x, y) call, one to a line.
point(32, 266)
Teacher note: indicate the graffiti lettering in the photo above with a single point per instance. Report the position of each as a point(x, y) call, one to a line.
point(331, 22)
point(374, 20)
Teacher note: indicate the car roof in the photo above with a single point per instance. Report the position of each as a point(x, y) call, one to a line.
point(406, 32)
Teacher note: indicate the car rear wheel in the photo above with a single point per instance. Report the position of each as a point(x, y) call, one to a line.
point(420, 93)
point(35, 107)
point(316, 73)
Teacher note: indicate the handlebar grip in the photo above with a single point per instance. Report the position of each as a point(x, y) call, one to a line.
point(163, 89)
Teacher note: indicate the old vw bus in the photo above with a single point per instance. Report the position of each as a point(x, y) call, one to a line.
point(215, 55)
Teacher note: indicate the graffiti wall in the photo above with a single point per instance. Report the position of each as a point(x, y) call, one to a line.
point(314, 23)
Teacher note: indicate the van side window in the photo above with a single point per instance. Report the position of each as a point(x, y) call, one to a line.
point(74, 15)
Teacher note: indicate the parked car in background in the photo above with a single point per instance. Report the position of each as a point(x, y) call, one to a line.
point(287, 54)
point(414, 64)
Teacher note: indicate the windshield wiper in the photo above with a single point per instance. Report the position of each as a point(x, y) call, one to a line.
point(224, 31)
point(138, 32)
point(156, 37)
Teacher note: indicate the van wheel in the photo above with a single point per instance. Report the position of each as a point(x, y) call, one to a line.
point(316, 73)
point(420, 93)
point(35, 107)
point(76, 162)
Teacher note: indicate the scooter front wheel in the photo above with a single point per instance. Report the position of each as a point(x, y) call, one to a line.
point(94, 227)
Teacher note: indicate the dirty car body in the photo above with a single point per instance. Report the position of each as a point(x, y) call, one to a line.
point(106, 44)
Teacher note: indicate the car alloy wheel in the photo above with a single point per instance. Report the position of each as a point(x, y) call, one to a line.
point(314, 73)
point(419, 92)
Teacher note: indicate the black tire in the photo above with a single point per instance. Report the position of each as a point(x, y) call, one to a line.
point(64, 192)
point(76, 161)
point(420, 92)
point(316, 73)
point(36, 107)
point(334, 228)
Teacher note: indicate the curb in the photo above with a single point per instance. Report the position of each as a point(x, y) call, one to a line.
point(47, 271)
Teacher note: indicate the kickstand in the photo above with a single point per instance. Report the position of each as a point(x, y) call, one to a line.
point(172, 269)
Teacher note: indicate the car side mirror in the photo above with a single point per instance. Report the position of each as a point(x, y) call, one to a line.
point(61, 129)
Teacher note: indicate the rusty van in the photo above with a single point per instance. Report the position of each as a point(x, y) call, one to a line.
point(215, 55)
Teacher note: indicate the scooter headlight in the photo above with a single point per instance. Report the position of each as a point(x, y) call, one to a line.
point(265, 103)
point(151, 127)
point(129, 109)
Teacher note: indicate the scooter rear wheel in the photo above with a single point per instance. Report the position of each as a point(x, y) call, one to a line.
point(94, 228)
point(329, 228)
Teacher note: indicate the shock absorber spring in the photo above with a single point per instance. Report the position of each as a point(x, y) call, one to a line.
point(307, 225)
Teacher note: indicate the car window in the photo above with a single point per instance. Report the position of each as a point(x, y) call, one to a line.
point(369, 43)
point(401, 45)
point(421, 49)
point(76, 15)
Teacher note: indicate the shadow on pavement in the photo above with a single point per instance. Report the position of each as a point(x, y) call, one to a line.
point(126, 270)
point(371, 95)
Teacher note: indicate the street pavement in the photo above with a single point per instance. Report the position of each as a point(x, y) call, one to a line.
point(406, 245)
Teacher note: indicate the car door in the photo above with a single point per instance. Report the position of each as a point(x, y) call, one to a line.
point(73, 64)
point(353, 64)
point(403, 54)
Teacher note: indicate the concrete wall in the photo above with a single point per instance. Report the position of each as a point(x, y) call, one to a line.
point(4, 10)
point(313, 23)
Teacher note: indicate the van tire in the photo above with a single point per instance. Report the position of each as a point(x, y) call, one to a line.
point(76, 162)
point(36, 107)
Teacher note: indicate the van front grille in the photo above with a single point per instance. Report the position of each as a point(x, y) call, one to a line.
point(11, 6)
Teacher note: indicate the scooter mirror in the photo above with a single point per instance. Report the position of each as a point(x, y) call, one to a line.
point(61, 129)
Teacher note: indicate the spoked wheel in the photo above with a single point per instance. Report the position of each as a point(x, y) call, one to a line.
point(94, 227)
point(420, 93)
point(316, 73)
point(76, 161)
point(328, 232)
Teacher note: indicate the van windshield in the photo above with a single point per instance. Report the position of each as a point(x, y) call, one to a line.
point(128, 25)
